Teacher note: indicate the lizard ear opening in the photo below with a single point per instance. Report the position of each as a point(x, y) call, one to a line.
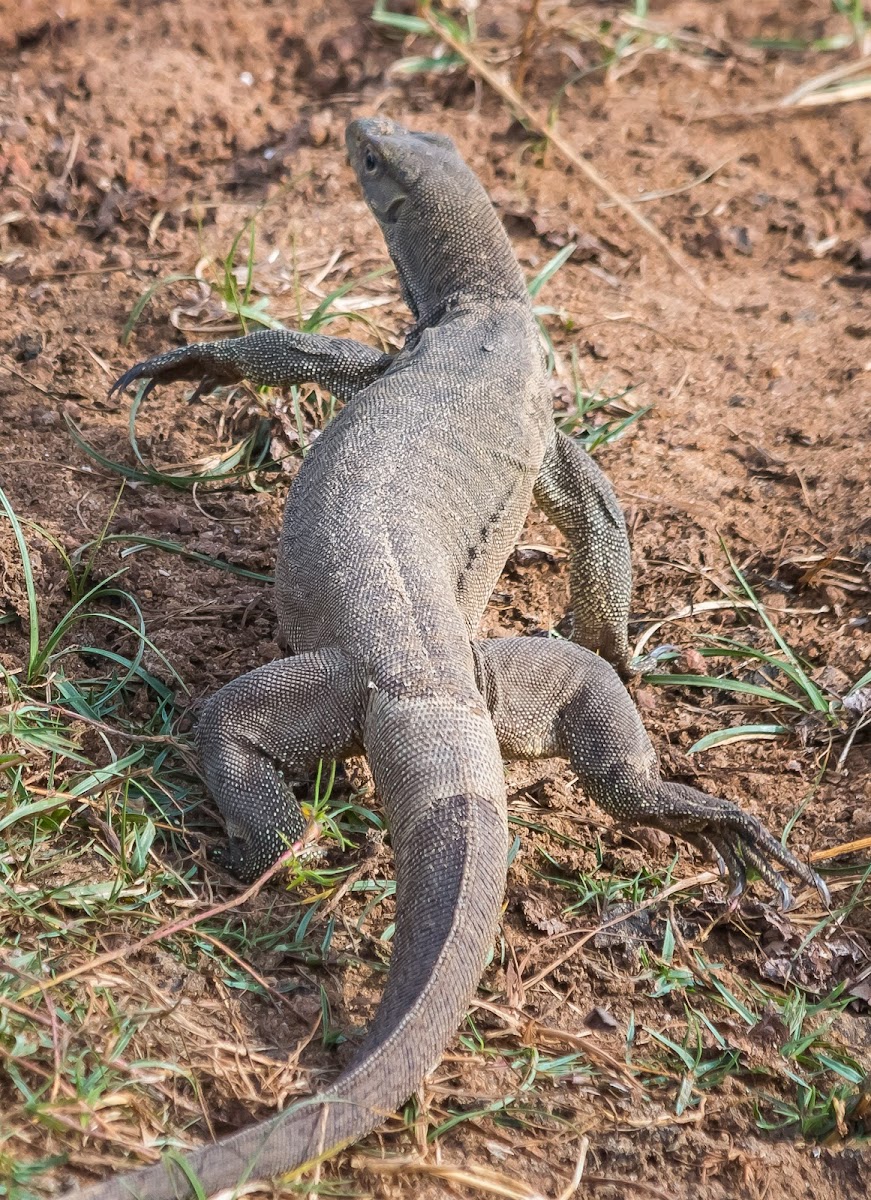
point(437, 139)
point(390, 215)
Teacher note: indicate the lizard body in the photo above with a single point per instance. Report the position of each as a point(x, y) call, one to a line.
point(395, 532)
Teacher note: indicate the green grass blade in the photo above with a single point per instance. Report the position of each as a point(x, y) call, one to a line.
point(742, 733)
point(156, 685)
point(419, 63)
point(810, 689)
point(96, 779)
point(682, 1053)
point(725, 685)
point(68, 619)
point(382, 15)
point(29, 585)
point(611, 431)
point(34, 809)
point(108, 463)
point(733, 1002)
point(139, 307)
point(860, 683)
point(150, 475)
point(142, 540)
point(547, 272)
point(249, 264)
point(317, 318)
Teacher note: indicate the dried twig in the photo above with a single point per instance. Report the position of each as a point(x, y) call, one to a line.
point(810, 94)
point(863, 843)
point(575, 1181)
point(635, 1185)
point(158, 935)
point(664, 193)
point(681, 885)
point(479, 1179)
point(526, 44)
point(511, 97)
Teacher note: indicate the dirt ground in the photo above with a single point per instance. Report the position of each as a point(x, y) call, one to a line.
point(138, 138)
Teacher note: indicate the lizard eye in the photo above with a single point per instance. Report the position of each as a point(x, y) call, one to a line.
point(370, 162)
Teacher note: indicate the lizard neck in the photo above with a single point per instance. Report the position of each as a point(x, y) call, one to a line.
point(465, 309)
point(468, 266)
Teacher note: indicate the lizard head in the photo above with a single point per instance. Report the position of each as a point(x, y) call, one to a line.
point(439, 225)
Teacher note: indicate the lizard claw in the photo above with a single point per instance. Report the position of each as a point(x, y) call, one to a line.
point(734, 838)
point(234, 855)
point(196, 363)
point(643, 664)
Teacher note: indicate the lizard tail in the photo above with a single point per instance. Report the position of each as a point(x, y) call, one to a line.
point(450, 877)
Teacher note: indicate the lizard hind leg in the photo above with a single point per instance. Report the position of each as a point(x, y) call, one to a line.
point(277, 720)
point(552, 698)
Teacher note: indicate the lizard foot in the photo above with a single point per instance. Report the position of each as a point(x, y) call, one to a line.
point(643, 664)
point(733, 838)
point(234, 855)
point(200, 363)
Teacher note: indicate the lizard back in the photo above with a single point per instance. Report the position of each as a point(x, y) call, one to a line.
point(393, 536)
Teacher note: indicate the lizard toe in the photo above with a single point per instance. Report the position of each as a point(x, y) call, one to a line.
point(185, 362)
point(123, 382)
point(643, 664)
point(767, 872)
point(737, 838)
point(728, 863)
point(760, 848)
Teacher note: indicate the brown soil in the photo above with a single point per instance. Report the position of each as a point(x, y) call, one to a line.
point(133, 142)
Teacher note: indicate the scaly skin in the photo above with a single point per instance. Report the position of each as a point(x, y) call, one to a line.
point(395, 532)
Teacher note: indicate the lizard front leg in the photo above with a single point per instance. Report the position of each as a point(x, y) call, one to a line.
point(280, 718)
point(580, 501)
point(554, 698)
point(271, 357)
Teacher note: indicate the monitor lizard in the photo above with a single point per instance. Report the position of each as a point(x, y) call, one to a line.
point(396, 529)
